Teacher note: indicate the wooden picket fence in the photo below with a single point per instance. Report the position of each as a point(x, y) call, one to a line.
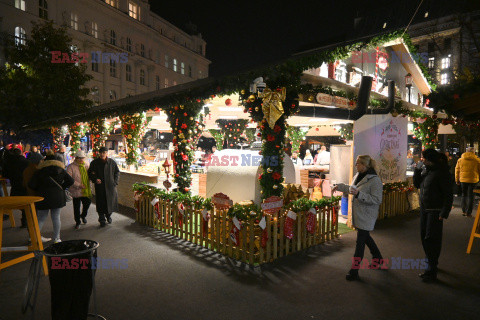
point(394, 203)
point(215, 234)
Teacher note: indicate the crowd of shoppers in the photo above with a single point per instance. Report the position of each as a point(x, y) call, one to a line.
point(51, 177)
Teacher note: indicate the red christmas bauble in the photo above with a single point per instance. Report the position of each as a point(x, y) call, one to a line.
point(228, 102)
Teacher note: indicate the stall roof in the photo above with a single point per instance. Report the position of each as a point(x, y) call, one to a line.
point(228, 84)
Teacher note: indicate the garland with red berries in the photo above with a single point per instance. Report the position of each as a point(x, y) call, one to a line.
point(77, 131)
point(427, 131)
point(273, 139)
point(231, 130)
point(182, 119)
point(133, 129)
point(296, 136)
point(98, 133)
point(59, 135)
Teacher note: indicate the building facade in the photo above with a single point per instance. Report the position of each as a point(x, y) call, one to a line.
point(129, 49)
point(452, 44)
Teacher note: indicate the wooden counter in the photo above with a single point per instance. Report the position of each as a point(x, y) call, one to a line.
point(127, 179)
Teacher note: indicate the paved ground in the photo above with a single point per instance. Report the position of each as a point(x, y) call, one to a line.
point(170, 279)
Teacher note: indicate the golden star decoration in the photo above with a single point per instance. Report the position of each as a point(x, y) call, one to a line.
point(272, 104)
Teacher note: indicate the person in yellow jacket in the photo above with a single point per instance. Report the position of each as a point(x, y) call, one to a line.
point(467, 173)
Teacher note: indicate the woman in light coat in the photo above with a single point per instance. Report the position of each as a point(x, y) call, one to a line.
point(367, 191)
point(81, 190)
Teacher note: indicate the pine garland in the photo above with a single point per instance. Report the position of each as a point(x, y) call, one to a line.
point(218, 136)
point(241, 212)
point(182, 119)
point(273, 140)
point(296, 136)
point(99, 134)
point(59, 135)
point(401, 186)
point(77, 131)
point(346, 131)
point(231, 130)
point(133, 129)
point(427, 131)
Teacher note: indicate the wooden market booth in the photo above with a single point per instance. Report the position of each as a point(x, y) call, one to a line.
point(336, 90)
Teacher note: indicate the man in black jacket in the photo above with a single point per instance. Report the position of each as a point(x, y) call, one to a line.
point(436, 198)
point(104, 173)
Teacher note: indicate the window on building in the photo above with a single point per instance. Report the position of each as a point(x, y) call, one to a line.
point(157, 82)
point(190, 71)
point(20, 36)
point(128, 69)
point(174, 83)
point(129, 45)
point(431, 62)
point(166, 83)
point(157, 59)
point(447, 43)
point(94, 29)
point(142, 50)
point(142, 77)
point(74, 21)
point(113, 37)
point(113, 3)
point(431, 47)
point(182, 68)
point(175, 65)
point(444, 78)
point(95, 66)
point(166, 61)
point(113, 95)
point(446, 62)
point(133, 10)
point(20, 4)
point(43, 9)
point(200, 75)
point(95, 95)
point(113, 68)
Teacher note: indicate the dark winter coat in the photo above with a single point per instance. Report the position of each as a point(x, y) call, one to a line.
point(13, 168)
point(436, 192)
point(44, 186)
point(106, 198)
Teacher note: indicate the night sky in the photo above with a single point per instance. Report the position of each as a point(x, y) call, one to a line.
point(245, 34)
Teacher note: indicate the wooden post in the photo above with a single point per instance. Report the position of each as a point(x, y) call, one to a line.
point(475, 228)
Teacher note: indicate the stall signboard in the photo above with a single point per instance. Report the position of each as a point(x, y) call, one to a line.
point(384, 138)
point(329, 100)
point(325, 99)
point(341, 102)
point(272, 204)
point(221, 201)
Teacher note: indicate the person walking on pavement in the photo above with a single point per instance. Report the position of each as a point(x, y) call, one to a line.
point(436, 197)
point(80, 190)
point(61, 155)
point(50, 182)
point(28, 173)
point(104, 173)
point(467, 172)
point(367, 191)
point(13, 168)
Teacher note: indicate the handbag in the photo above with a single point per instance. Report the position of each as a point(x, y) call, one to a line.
point(68, 195)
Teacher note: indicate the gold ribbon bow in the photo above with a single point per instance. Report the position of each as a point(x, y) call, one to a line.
point(272, 105)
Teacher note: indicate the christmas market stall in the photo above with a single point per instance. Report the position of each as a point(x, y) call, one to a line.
point(359, 83)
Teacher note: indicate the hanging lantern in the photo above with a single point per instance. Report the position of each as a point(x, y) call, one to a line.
point(408, 80)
